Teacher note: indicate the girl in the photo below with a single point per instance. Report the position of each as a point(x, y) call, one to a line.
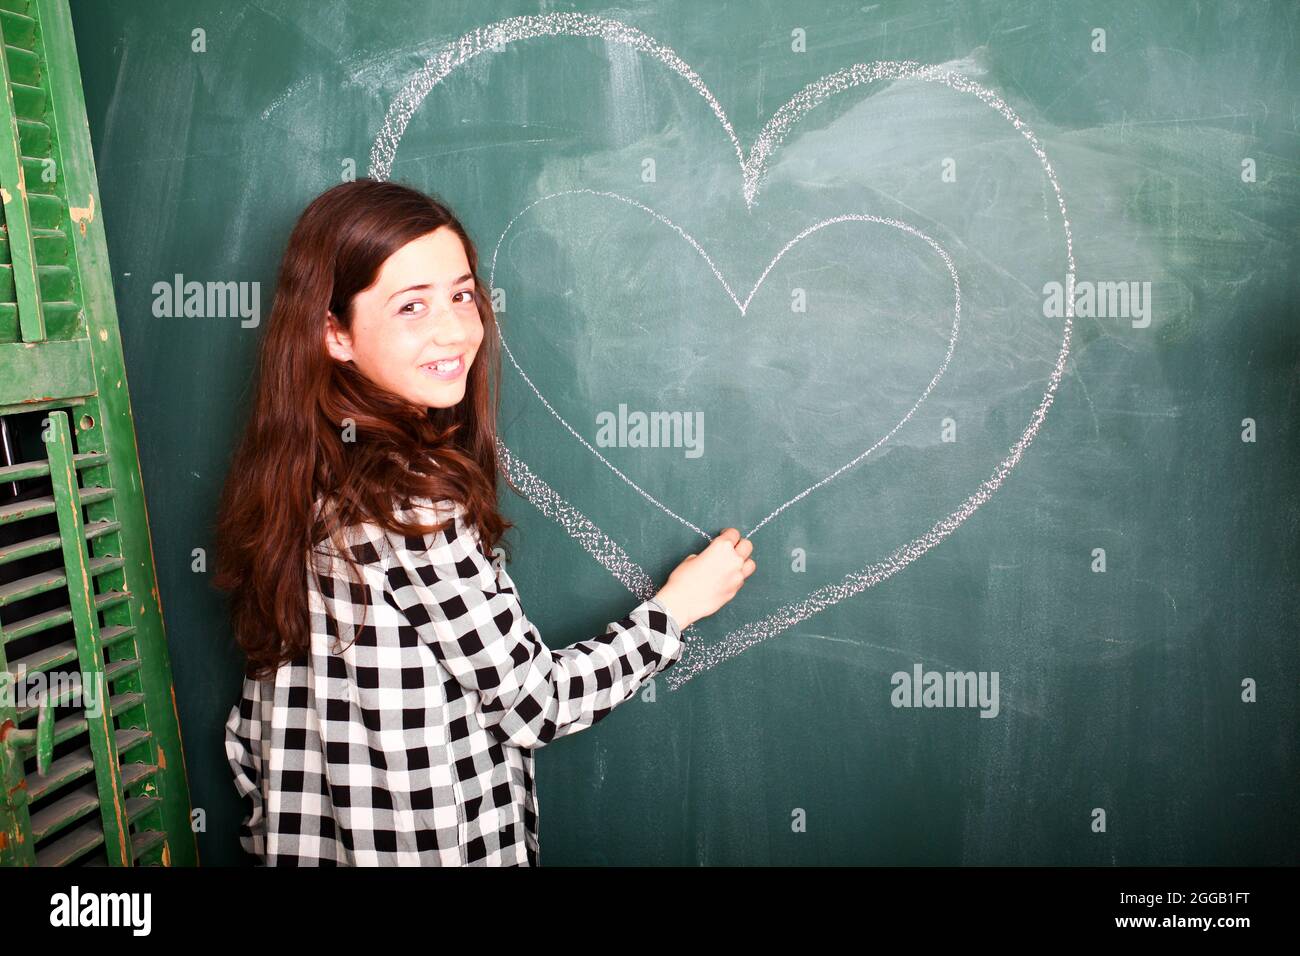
point(395, 691)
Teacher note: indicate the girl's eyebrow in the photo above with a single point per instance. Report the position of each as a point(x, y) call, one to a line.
point(424, 285)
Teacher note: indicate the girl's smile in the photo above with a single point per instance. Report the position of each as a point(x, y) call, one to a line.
point(448, 369)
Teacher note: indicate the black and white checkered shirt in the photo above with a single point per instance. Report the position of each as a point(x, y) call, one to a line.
point(413, 744)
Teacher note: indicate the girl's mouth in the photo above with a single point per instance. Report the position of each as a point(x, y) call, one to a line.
point(448, 370)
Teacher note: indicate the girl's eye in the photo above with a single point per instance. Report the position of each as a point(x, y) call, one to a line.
point(403, 309)
point(473, 296)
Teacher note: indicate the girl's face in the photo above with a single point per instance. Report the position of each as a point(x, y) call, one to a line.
point(421, 309)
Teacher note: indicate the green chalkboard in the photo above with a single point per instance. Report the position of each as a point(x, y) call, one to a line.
point(980, 319)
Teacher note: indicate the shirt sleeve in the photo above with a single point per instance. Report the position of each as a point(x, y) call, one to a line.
point(244, 754)
point(469, 613)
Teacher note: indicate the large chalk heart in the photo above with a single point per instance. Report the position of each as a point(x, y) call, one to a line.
point(700, 657)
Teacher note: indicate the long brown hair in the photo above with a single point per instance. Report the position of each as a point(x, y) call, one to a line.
point(293, 449)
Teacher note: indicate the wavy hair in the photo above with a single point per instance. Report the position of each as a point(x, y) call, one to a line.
point(293, 453)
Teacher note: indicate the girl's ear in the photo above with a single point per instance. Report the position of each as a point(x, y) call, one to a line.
point(337, 340)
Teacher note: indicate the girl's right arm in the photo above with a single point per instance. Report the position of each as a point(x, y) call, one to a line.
point(469, 613)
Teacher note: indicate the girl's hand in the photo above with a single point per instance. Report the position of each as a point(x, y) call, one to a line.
point(703, 582)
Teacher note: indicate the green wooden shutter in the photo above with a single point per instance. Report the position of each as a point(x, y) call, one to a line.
point(83, 784)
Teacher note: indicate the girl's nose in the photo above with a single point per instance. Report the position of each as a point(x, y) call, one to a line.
point(449, 328)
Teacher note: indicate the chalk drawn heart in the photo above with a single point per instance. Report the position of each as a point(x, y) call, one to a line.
point(698, 657)
point(743, 306)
